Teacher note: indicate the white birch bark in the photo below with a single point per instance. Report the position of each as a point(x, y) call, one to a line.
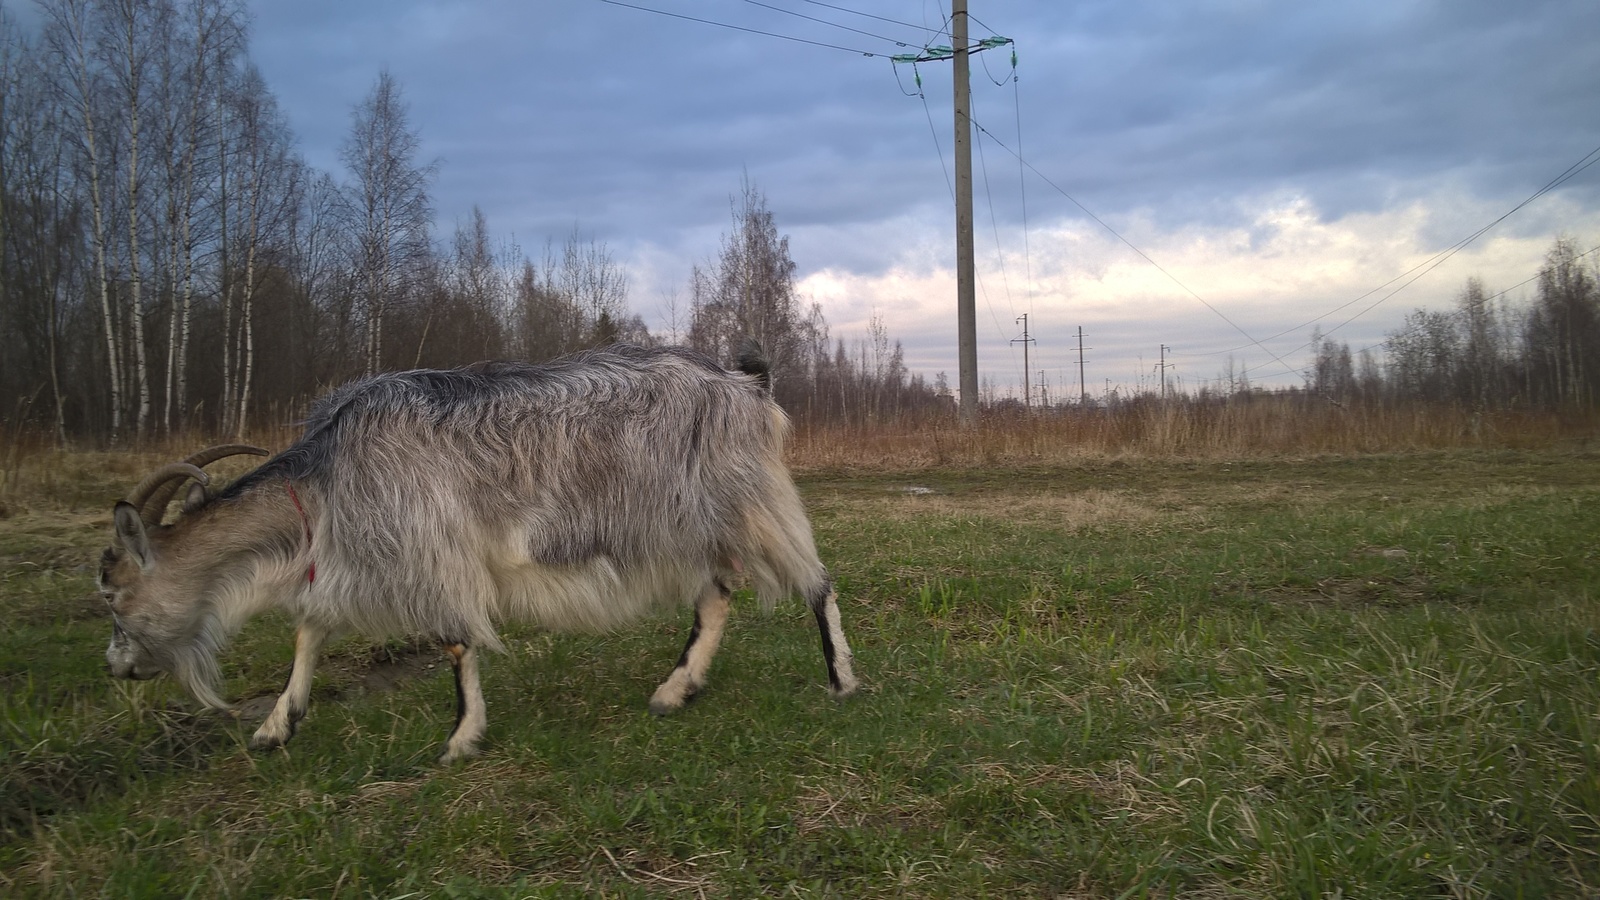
point(70, 40)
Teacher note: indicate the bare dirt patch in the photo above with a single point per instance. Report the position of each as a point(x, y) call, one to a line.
point(380, 669)
point(390, 667)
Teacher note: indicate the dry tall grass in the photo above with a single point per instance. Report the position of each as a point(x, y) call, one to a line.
point(1262, 426)
point(1257, 427)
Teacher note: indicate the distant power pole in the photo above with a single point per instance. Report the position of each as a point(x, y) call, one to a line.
point(1163, 366)
point(1083, 393)
point(1027, 395)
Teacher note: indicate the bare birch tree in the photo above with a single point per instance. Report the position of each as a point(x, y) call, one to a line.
point(68, 36)
point(135, 31)
point(467, 315)
point(1563, 329)
point(265, 197)
point(390, 209)
point(749, 291)
point(207, 42)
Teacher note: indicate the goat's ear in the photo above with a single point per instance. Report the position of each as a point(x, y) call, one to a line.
point(130, 532)
point(195, 498)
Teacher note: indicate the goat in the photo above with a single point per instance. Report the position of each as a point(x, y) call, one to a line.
point(577, 495)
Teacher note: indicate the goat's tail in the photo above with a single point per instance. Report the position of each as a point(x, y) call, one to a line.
point(753, 361)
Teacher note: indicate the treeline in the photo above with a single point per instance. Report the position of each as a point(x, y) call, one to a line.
point(1488, 352)
point(169, 262)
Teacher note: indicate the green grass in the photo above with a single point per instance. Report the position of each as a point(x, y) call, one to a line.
point(1367, 677)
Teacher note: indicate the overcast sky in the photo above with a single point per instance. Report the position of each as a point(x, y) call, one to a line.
point(1279, 159)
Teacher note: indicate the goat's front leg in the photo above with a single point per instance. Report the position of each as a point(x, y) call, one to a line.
point(689, 675)
point(292, 703)
point(471, 716)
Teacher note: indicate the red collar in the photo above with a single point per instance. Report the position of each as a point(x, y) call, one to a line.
point(311, 573)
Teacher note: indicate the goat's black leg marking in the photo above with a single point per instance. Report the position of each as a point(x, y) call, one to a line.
point(827, 647)
point(836, 653)
point(471, 718)
point(461, 693)
point(694, 637)
point(689, 675)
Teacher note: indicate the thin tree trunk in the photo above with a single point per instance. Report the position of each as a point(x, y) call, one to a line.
point(225, 404)
point(55, 306)
point(181, 366)
point(107, 311)
point(205, 32)
point(135, 278)
point(97, 211)
point(247, 355)
point(169, 376)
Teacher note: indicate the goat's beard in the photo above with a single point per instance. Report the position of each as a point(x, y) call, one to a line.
point(195, 665)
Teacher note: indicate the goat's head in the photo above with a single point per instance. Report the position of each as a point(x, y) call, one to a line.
point(146, 578)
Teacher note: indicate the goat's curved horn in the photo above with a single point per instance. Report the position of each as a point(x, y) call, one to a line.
point(156, 505)
point(209, 455)
point(171, 473)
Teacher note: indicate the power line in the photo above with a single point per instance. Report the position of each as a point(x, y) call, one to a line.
point(950, 186)
point(973, 18)
point(1000, 260)
point(1000, 82)
point(857, 12)
point(905, 93)
point(994, 223)
point(1022, 178)
point(1498, 294)
point(1433, 262)
point(1438, 259)
point(1142, 255)
point(790, 12)
point(935, 132)
point(1495, 296)
point(771, 34)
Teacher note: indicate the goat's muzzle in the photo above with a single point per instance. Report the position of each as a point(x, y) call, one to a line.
point(122, 657)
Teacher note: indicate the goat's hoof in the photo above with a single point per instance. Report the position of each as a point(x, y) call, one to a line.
point(454, 755)
point(264, 741)
point(665, 703)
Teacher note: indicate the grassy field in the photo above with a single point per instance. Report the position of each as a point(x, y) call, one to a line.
point(1363, 676)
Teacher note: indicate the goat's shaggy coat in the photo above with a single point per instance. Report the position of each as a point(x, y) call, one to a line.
point(576, 495)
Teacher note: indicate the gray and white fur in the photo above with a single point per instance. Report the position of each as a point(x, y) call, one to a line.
point(577, 495)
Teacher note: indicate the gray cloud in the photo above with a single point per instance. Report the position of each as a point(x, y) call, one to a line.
point(639, 127)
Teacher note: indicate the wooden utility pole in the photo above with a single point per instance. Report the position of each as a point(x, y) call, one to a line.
point(966, 279)
point(1163, 367)
point(1083, 393)
point(1027, 394)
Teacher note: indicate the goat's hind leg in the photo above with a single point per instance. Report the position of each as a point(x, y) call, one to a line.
point(689, 675)
point(471, 716)
point(296, 697)
point(824, 603)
